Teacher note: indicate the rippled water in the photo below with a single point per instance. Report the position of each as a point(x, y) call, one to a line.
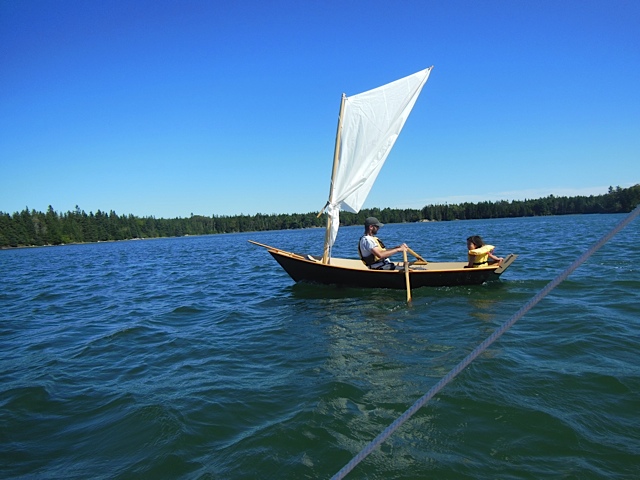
point(199, 358)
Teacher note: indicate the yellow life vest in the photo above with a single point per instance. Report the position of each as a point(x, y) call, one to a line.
point(370, 259)
point(480, 255)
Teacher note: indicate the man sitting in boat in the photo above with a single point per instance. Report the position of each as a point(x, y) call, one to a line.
point(371, 249)
point(479, 253)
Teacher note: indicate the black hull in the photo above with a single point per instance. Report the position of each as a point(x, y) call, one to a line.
point(302, 269)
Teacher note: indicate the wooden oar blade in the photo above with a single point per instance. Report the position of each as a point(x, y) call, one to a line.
point(406, 276)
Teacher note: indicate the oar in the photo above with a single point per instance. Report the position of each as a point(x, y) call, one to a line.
point(406, 276)
point(416, 255)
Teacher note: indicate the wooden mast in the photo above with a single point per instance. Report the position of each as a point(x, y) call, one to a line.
point(336, 155)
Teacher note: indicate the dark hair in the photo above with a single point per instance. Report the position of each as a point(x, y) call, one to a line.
point(476, 240)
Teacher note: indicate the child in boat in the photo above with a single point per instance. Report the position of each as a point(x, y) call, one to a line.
point(479, 253)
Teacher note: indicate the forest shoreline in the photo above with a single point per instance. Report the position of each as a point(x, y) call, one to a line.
point(30, 228)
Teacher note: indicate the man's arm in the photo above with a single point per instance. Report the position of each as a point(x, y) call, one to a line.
point(380, 253)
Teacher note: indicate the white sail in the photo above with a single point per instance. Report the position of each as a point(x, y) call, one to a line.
point(371, 123)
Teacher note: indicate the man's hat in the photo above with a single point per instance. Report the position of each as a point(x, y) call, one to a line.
point(372, 221)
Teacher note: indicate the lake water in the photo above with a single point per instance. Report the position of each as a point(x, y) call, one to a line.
point(200, 358)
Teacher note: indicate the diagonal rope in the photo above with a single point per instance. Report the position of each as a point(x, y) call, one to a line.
point(386, 433)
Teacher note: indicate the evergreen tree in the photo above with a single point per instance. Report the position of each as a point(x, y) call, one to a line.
point(30, 227)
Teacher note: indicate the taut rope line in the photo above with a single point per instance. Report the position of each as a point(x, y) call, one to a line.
point(386, 433)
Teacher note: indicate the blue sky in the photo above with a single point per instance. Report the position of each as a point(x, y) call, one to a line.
point(168, 108)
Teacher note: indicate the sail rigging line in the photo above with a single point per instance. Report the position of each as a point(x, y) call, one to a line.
point(386, 433)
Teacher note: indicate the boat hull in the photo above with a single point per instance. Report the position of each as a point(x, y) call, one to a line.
point(351, 273)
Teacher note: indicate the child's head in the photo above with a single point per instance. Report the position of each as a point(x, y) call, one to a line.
point(476, 240)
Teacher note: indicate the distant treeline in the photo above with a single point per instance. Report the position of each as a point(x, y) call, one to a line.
point(32, 228)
